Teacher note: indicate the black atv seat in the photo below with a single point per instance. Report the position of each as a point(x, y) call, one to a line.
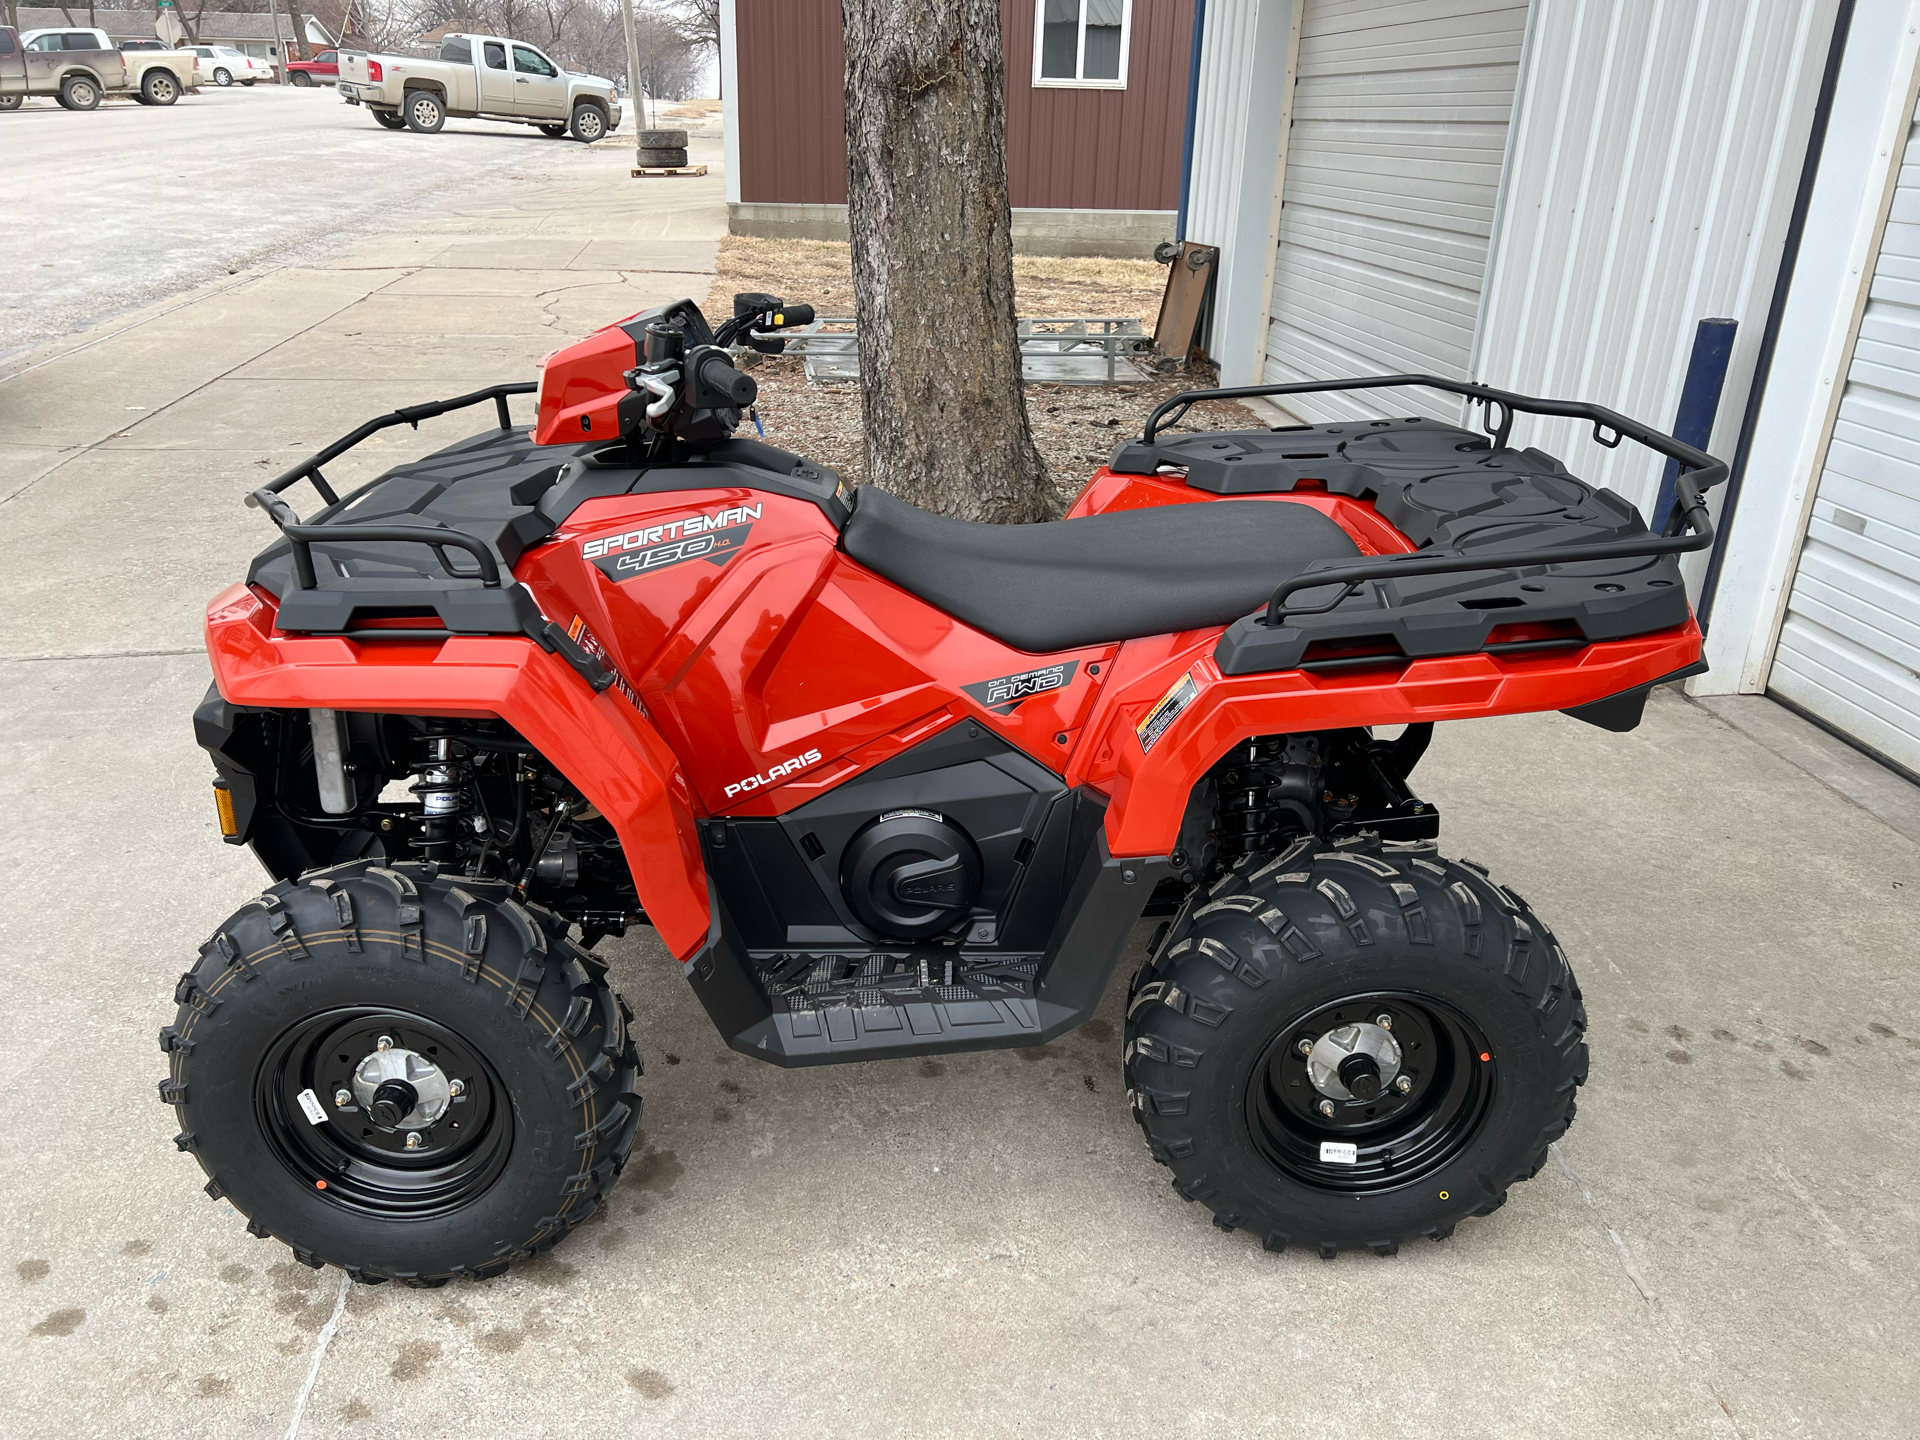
point(1097, 579)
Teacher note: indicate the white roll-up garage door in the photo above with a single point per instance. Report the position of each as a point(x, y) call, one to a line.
point(1400, 121)
point(1849, 649)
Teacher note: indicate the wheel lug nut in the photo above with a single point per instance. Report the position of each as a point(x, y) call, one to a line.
point(414, 1140)
point(1326, 1108)
point(1303, 1045)
point(1403, 1084)
point(456, 1088)
point(385, 1042)
point(342, 1098)
point(1385, 1022)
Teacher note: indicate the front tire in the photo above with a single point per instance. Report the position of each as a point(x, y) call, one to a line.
point(159, 87)
point(1281, 973)
point(301, 998)
point(553, 132)
point(589, 123)
point(302, 79)
point(223, 78)
point(423, 111)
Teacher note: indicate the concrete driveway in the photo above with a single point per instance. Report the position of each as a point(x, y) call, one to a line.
point(1723, 1245)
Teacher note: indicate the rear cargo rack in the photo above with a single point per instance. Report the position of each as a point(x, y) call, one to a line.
point(1476, 508)
point(477, 602)
point(1687, 528)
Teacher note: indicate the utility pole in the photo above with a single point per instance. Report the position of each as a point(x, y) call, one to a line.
point(633, 77)
point(279, 45)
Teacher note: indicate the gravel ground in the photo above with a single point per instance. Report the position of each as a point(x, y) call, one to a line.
point(1075, 426)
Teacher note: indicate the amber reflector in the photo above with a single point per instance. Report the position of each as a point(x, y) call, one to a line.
point(223, 802)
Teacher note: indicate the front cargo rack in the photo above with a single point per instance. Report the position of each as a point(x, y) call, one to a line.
point(1558, 563)
point(476, 601)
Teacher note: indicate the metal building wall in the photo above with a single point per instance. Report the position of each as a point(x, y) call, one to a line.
point(1220, 119)
point(1656, 149)
point(1393, 170)
point(1067, 148)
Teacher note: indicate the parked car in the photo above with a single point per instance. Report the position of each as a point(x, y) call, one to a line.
point(223, 65)
point(79, 67)
point(480, 76)
point(322, 69)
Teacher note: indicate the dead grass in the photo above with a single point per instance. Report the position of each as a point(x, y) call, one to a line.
point(1075, 427)
point(819, 272)
point(691, 109)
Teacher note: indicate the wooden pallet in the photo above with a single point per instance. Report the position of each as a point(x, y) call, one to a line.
point(677, 170)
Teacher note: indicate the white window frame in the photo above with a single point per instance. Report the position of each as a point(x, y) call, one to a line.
point(1042, 82)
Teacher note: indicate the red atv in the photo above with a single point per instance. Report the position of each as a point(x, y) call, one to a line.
point(889, 784)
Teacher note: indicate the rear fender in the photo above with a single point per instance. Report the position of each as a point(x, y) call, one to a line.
point(1170, 714)
point(602, 743)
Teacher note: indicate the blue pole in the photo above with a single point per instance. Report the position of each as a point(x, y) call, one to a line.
point(1699, 403)
point(1193, 107)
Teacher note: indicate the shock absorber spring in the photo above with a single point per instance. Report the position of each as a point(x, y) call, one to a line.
point(1268, 794)
point(445, 801)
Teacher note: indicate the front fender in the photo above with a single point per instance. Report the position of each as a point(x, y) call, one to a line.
point(603, 744)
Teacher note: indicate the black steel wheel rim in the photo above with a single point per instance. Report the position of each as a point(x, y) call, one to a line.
point(359, 1165)
point(1398, 1139)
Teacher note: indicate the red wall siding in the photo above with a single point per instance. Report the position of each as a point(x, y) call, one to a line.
point(791, 60)
point(1066, 149)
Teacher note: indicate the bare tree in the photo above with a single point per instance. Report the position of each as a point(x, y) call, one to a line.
point(940, 386)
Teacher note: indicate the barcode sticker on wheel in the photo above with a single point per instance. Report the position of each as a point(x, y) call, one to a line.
point(1332, 1152)
point(310, 1103)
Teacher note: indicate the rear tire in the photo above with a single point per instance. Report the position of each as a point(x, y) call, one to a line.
point(1277, 955)
point(223, 78)
point(159, 87)
point(589, 123)
point(388, 119)
point(423, 111)
point(247, 84)
point(11, 102)
point(77, 92)
point(288, 1004)
point(660, 159)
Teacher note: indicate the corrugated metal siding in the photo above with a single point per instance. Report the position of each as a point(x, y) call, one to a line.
point(1393, 174)
point(1849, 649)
point(792, 62)
point(1655, 156)
point(1220, 120)
point(1100, 149)
point(1067, 149)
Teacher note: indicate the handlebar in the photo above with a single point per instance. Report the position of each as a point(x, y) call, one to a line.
point(715, 373)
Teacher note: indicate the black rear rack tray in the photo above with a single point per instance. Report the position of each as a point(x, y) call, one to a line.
point(1547, 550)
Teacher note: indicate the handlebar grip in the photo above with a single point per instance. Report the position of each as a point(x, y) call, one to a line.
point(791, 317)
point(717, 374)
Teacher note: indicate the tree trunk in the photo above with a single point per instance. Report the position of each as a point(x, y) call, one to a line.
point(301, 50)
point(940, 393)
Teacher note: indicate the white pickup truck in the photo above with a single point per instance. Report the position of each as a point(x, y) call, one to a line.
point(484, 77)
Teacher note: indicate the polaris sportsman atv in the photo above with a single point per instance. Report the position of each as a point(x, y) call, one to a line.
point(889, 784)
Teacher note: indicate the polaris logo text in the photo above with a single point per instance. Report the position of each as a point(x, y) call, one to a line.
point(776, 772)
point(672, 530)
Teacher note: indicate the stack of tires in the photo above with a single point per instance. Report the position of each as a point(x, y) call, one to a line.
point(662, 150)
